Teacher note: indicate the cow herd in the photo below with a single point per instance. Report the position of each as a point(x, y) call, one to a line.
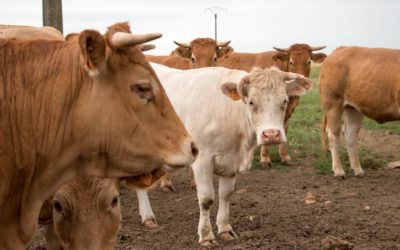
point(81, 114)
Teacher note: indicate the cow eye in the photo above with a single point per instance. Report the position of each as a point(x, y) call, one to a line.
point(309, 61)
point(285, 102)
point(143, 90)
point(193, 60)
point(291, 62)
point(114, 201)
point(251, 103)
point(57, 206)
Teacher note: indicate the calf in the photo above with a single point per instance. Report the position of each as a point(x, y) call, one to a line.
point(205, 100)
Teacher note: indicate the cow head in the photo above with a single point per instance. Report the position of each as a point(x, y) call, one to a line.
point(203, 52)
point(125, 117)
point(298, 57)
point(87, 213)
point(265, 92)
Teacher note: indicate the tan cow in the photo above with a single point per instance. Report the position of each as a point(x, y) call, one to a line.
point(357, 82)
point(297, 59)
point(29, 32)
point(199, 53)
point(90, 108)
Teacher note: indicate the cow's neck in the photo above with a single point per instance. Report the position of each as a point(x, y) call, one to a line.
point(35, 128)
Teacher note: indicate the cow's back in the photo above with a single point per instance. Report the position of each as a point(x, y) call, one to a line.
point(172, 61)
point(247, 61)
point(28, 32)
point(364, 78)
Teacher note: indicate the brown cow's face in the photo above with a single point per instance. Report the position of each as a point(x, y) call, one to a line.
point(203, 52)
point(125, 117)
point(87, 213)
point(298, 58)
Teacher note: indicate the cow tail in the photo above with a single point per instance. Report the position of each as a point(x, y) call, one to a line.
point(324, 134)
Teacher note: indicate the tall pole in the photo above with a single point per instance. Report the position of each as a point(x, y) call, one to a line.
point(215, 10)
point(52, 14)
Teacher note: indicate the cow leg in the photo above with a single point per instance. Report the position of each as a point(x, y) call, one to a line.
point(225, 191)
point(166, 184)
point(333, 127)
point(283, 148)
point(353, 121)
point(203, 173)
point(191, 177)
point(145, 211)
point(264, 156)
point(52, 240)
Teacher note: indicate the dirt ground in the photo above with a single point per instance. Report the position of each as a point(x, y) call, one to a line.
point(268, 209)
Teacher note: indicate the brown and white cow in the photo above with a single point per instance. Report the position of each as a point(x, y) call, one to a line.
point(357, 82)
point(199, 53)
point(296, 59)
point(89, 108)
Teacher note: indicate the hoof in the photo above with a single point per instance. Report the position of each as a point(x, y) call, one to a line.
point(208, 243)
point(150, 223)
point(339, 173)
point(359, 173)
point(287, 163)
point(168, 189)
point(228, 236)
point(266, 165)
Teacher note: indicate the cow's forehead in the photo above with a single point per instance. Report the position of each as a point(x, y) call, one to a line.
point(267, 82)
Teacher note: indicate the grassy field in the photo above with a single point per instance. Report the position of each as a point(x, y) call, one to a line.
point(305, 140)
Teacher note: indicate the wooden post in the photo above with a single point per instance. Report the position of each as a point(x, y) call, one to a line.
point(52, 14)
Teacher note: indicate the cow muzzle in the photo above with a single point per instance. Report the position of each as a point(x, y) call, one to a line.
point(187, 155)
point(271, 136)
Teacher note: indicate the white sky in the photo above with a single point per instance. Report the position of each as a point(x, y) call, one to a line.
point(252, 25)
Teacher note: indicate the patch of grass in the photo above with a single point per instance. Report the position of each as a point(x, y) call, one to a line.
point(304, 136)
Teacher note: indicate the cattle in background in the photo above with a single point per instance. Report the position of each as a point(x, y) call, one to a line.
point(30, 32)
point(296, 59)
point(357, 82)
point(199, 53)
point(78, 109)
point(227, 142)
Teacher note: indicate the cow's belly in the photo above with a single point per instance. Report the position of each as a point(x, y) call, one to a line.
point(383, 111)
point(231, 163)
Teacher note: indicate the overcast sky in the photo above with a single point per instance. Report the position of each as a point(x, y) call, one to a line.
point(252, 25)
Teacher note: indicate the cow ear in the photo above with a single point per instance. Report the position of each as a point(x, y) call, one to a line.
point(230, 90)
point(224, 51)
point(184, 52)
point(93, 49)
point(297, 84)
point(318, 57)
point(281, 56)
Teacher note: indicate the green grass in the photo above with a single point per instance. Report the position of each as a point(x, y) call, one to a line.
point(304, 137)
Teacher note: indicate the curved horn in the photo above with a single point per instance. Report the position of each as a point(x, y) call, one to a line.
point(317, 48)
point(146, 47)
point(281, 50)
point(123, 39)
point(186, 45)
point(222, 44)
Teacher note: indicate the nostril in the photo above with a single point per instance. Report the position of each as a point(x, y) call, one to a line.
point(195, 150)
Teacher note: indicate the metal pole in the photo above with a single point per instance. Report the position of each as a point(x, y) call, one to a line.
point(52, 14)
point(215, 29)
point(215, 10)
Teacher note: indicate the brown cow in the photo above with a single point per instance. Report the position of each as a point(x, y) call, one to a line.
point(199, 53)
point(89, 108)
point(297, 59)
point(357, 81)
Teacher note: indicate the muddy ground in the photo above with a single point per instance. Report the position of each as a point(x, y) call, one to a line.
point(268, 209)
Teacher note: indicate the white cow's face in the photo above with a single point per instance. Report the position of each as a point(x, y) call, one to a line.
point(265, 92)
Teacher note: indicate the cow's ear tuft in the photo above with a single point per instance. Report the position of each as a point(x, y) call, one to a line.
point(281, 56)
point(183, 52)
point(230, 89)
point(318, 57)
point(224, 51)
point(93, 49)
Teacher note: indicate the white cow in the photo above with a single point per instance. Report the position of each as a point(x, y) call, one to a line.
point(229, 113)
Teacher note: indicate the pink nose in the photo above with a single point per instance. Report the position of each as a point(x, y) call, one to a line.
point(272, 136)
